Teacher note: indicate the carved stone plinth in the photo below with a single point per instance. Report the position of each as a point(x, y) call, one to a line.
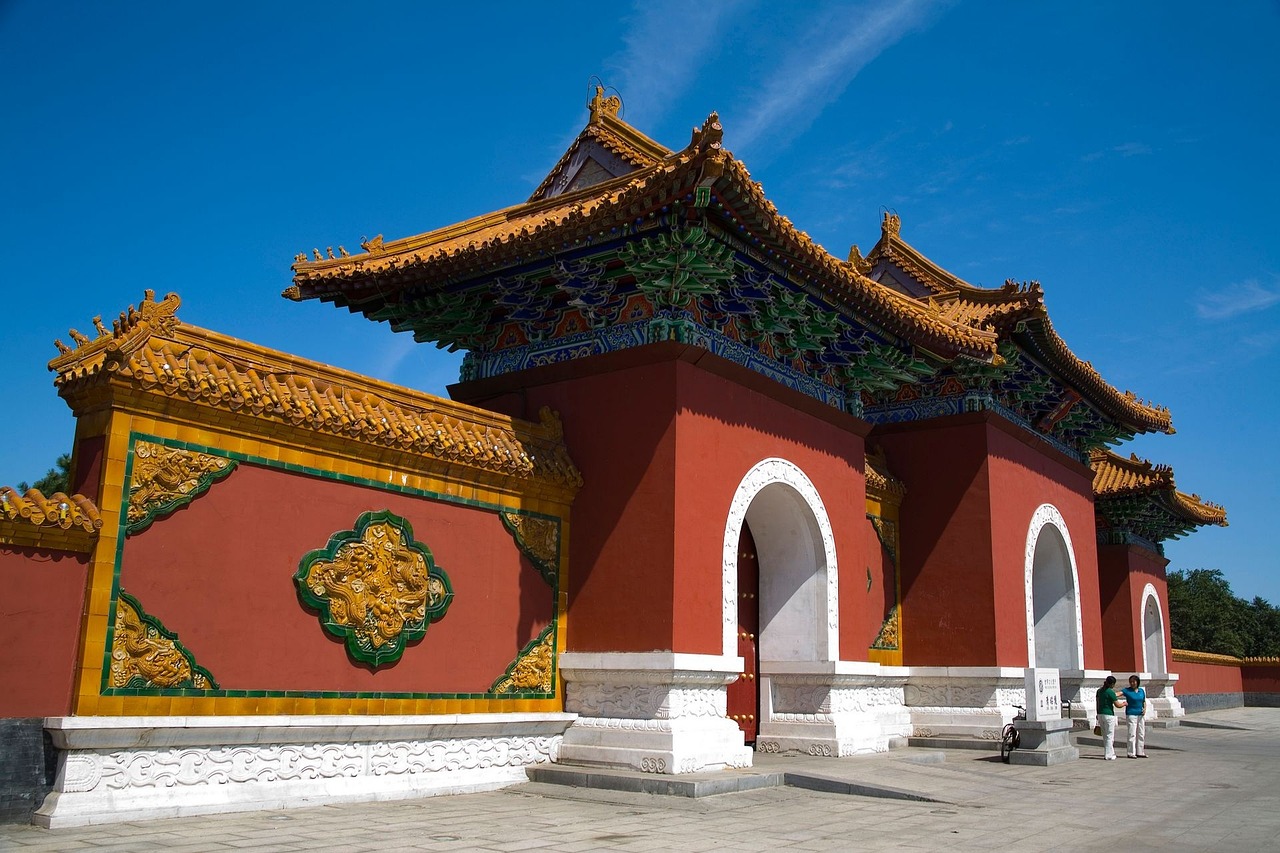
point(1044, 743)
point(834, 708)
point(657, 712)
point(137, 768)
point(1165, 707)
point(963, 701)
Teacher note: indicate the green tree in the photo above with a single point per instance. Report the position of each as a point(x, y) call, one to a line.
point(58, 479)
point(1205, 616)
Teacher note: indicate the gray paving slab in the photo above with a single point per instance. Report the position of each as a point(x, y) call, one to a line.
point(1210, 784)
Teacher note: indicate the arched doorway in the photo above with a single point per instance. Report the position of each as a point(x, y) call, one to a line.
point(796, 593)
point(1052, 594)
point(1153, 659)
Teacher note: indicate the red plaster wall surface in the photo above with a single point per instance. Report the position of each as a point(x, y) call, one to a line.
point(972, 489)
point(620, 430)
point(662, 445)
point(1196, 678)
point(947, 592)
point(723, 431)
point(39, 629)
point(1258, 679)
point(220, 571)
point(1023, 477)
point(1124, 572)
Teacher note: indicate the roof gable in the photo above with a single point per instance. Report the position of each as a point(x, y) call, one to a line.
point(606, 148)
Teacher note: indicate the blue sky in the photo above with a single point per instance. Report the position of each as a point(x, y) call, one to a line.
point(1123, 154)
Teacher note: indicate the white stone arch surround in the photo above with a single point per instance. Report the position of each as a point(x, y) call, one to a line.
point(1057, 545)
point(790, 524)
point(1153, 658)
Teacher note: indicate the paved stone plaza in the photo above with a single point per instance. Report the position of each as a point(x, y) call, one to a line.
point(1212, 784)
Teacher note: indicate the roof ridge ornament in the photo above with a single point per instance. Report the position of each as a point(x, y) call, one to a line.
point(708, 137)
point(891, 225)
point(604, 106)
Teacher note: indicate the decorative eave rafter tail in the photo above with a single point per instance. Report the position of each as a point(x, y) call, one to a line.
point(172, 360)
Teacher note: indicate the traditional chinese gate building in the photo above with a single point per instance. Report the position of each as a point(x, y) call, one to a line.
point(816, 505)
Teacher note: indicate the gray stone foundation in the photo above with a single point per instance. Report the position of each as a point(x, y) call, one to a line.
point(28, 764)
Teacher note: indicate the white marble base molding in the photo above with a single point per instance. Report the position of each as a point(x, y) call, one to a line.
point(834, 708)
point(963, 701)
point(1164, 705)
point(130, 768)
point(657, 712)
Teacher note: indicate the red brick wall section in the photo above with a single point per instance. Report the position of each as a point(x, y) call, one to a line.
point(973, 484)
point(220, 571)
point(620, 430)
point(946, 545)
point(39, 629)
point(1194, 678)
point(723, 431)
point(1259, 679)
point(1023, 477)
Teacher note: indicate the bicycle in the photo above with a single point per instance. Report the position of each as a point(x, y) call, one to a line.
point(1009, 738)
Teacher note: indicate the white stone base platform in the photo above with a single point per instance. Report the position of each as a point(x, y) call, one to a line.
point(656, 712)
point(129, 768)
point(831, 708)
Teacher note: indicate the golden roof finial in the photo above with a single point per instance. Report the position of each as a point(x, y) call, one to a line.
point(891, 225)
point(600, 105)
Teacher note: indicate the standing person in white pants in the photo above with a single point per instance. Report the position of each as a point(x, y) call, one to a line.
point(1135, 710)
point(1107, 704)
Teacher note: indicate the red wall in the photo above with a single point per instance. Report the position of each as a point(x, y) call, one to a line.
point(973, 484)
point(662, 444)
point(1124, 572)
point(1261, 679)
point(1023, 477)
point(39, 629)
point(620, 430)
point(1196, 678)
point(220, 571)
point(723, 430)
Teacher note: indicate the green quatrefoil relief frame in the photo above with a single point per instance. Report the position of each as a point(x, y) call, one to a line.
point(375, 587)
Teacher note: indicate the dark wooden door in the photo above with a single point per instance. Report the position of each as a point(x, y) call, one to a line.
point(744, 694)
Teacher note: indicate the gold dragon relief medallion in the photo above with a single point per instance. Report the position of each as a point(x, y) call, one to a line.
point(375, 587)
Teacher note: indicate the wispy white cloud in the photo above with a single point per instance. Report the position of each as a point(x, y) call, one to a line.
point(1125, 149)
point(1132, 149)
point(1233, 300)
point(818, 67)
point(666, 42)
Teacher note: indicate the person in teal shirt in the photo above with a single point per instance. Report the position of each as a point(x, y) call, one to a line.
point(1135, 709)
point(1107, 704)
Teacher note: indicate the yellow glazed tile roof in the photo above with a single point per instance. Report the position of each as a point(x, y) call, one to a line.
point(880, 481)
point(521, 232)
point(74, 512)
point(1004, 310)
point(149, 349)
point(1114, 476)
